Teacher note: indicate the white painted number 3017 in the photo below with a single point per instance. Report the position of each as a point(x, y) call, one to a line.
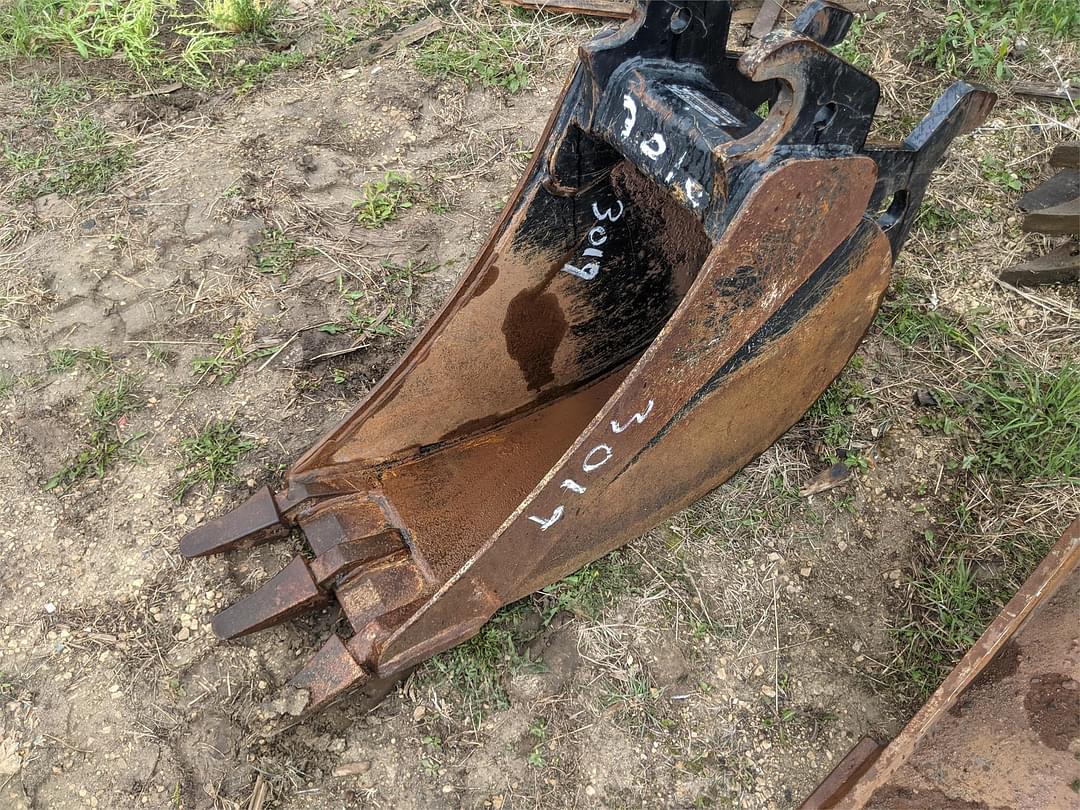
point(594, 460)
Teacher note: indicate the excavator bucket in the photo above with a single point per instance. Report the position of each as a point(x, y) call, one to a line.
point(693, 255)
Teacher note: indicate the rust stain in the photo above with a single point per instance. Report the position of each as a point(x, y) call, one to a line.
point(534, 327)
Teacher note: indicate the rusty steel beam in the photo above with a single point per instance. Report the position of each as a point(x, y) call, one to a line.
point(674, 282)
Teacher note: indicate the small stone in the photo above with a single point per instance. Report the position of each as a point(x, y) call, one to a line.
point(352, 768)
point(805, 572)
point(184, 634)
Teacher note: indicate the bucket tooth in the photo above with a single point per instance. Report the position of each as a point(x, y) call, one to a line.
point(330, 673)
point(352, 554)
point(379, 588)
point(255, 521)
point(340, 519)
point(288, 593)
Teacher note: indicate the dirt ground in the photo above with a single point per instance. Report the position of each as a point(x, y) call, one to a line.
point(730, 657)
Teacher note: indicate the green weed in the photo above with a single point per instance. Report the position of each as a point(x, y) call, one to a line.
point(910, 318)
point(393, 300)
point(276, 254)
point(633, 698)
point(104, 442)
point(1027, 422)
point(210, 457)
point(951, 602)
point(1010, 180)
point(1014, 424)
point(223, 367)
point(91, 28)
point(384, 199)
point(592, 588)
point(979, 35)
point(251, 74)
point(203, 47)
point(834, 414)
point(158, 355)
point(938, 219)
point(361, 20)
point(471, 676)
point(158, 38)
point(538, 731)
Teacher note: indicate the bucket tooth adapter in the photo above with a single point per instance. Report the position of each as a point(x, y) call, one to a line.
point(693, 255)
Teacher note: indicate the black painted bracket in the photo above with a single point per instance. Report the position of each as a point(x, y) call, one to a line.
point(705, 123)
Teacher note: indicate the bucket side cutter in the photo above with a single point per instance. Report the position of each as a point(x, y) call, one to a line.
point(677, 278)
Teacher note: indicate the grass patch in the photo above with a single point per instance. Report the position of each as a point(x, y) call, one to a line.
point(634, 700)
point(592, 589)
point(491, 58)
point(104, 442)
point(93, 29)
point(834, 413)
point(1014, 425)
point(210, 457)
point(911, 317)
point(1027, 422)
point(979, 36)
point(223, 367)
point(159, 39)
point(251, 74)
point(937, 220)
point(242, 16)
point(471, 676)
point(277, 254)
point(1008, 180)
point(954, 595)
point(93, 359)
point(77, 157)
point(389, 310)
point(385, 199)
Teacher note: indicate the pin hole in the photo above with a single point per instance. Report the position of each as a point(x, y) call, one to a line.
point(680, 20)
point(824, 116)
point(890, 216)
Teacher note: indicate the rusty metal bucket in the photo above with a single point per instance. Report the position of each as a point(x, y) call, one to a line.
point(677, 278)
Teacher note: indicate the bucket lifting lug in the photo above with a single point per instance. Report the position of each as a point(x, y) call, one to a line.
point(693, 255)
